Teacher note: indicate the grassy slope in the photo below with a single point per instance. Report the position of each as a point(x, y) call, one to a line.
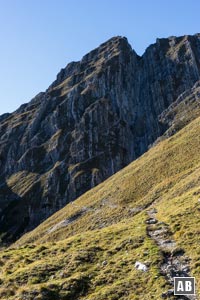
point(93, 256)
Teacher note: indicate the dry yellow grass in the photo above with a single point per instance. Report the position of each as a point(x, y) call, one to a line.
point(88, 249)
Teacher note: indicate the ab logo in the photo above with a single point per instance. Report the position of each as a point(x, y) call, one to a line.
point(184, 285)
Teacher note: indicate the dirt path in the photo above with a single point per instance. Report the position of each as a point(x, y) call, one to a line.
point(175, 263)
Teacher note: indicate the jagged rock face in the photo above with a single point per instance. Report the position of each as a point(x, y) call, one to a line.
point(181, 112)
point(99, 115)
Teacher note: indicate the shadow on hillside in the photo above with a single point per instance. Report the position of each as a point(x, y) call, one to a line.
point(14, 212)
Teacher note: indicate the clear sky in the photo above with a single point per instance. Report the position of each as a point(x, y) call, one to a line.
point(39, 37)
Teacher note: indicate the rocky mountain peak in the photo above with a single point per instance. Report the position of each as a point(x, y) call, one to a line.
point(99, 114)
point(95, 59)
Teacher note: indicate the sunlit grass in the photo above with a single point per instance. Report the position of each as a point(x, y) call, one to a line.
point(93, 256)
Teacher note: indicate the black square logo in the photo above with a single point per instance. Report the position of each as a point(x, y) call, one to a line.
point(184, 286)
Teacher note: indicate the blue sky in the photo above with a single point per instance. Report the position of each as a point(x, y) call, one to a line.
point(39, 37)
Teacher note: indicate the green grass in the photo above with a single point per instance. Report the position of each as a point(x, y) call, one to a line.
point(99, 264)
point(93, 257)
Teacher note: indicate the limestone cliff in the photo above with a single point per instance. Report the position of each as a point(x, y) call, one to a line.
point(100, 114)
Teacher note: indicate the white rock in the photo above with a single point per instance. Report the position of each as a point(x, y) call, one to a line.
point(104, 263)
point(141, 266)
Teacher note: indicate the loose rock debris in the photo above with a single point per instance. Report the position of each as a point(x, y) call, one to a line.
point(175, 262)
